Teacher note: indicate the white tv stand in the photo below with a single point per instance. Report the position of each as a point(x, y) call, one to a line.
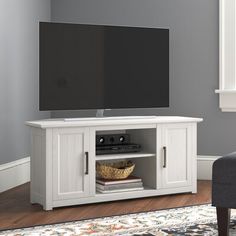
point(63, 158)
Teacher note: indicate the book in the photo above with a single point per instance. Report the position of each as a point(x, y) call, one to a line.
point(119, 186)
point(120, 190)
point(130, 179)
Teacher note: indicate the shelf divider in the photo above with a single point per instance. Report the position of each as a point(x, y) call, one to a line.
point(124, 156)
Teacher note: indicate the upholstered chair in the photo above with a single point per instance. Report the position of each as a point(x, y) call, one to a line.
point(224, 190)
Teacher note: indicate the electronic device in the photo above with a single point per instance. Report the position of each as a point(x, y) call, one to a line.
point(112, 139)
point(115, 143)
point(115, 149)
point(102, 67)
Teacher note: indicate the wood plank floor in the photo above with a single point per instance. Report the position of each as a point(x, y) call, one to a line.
point(17, 212)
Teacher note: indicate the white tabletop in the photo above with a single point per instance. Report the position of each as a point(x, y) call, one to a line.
point(121, 120)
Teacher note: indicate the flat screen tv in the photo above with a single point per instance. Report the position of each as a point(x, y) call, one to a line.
point(103, 67)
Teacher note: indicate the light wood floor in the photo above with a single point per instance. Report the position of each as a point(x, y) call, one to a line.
point(16, 211)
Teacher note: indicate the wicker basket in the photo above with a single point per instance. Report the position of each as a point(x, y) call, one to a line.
point(117, 170)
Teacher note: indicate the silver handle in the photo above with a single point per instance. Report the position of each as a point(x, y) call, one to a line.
point(164, 150)
point(87, 163)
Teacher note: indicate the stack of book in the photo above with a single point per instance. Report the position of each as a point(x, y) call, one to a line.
point(131, 183)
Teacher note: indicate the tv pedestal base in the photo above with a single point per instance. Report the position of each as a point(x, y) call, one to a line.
point(100, 113)
point(109, 118)
point(61, 176)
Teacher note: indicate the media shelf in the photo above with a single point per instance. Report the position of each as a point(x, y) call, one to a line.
point(143, 165)
point(63, 158)
point(146, 190)
point(124, 156)
point(144, 160)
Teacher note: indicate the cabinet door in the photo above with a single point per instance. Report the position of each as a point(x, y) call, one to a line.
point(176, 155)
point(71, 173)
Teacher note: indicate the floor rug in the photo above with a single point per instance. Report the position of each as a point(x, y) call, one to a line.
point(194, 220)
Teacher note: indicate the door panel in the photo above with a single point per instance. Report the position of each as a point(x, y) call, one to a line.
point(69, 163)
point(177, 155)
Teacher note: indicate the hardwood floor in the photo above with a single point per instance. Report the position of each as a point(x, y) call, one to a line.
point(16, 210)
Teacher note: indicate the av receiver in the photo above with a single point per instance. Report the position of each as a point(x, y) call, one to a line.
point(112, 149)
point(115, 143)
point(112, 139)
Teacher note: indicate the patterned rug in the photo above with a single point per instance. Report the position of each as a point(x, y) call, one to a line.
point(194, 220)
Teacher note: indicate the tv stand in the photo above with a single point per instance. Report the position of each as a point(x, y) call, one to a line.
point(63, 158)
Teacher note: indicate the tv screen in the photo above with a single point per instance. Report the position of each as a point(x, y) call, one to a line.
point(103, 67)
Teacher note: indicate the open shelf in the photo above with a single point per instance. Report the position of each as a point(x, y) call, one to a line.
point(124, 156)
point(143, 164)
point(146, 189)
point(144, 137)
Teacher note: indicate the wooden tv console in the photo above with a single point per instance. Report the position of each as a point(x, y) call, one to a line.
point(61, 175)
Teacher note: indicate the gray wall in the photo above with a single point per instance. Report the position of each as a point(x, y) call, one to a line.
point(19, 73)
point(193, 58)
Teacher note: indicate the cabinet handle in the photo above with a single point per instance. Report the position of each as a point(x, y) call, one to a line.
point(164, 150)
point(87, 163)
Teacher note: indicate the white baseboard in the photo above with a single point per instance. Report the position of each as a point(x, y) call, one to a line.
point(18, 172)
point(204, 167)
point(14, 173)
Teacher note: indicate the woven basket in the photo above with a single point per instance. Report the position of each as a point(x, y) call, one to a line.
point(117, 170)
